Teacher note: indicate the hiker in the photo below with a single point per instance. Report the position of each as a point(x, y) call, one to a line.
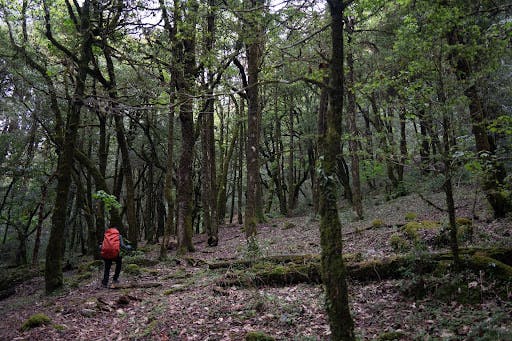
point(110, 251)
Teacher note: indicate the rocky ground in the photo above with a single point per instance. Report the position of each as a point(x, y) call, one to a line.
point(180, 300)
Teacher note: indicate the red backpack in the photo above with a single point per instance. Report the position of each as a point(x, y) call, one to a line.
point(110, 246)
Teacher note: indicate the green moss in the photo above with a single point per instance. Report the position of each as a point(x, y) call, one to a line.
point(35, 321)
point(175, 288)
point(153, 272)
point(411, 230)
point(288, 225)
point(376, 223)
point(463, 221)
point(140, 259)
point(59, 327)
point(258, 336)
point(410, 216)
point(389, 336)
point(398, 243)
point(429, 224)
point(491, 266)
point(133, 269)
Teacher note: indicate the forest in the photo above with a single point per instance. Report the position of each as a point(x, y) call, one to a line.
point(282, 169)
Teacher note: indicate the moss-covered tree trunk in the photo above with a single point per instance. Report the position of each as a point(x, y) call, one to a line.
point(333, 267)
point(54, 251)
point(352, 126)
point(185, 83)
point(254, 54)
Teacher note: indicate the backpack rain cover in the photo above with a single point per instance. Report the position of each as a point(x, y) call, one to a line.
point(110, 246)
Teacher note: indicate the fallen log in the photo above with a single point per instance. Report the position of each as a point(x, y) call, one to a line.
point(495, 263)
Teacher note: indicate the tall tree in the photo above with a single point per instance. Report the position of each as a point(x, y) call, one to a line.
point(185, 78)
point(209, 193)
point(54, 251)
point(254, 50)
point(351, 121)
point(333, 267)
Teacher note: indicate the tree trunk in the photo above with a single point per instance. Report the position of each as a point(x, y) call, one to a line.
point(185, 188)
point(53, 268)
point(240, 182)
point(254, 54)
point(40, 220)
point(223, 177)
point(352, 126)
point(333, 267)
point(494, 178)
point(291, 165)
point(133, 230)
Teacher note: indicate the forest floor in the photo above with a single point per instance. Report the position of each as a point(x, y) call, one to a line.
point(181, 300)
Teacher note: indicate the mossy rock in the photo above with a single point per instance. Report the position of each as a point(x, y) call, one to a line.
point(258, 336)
point(410, 216)
point(390, 336)
point(35, 321)
point(133, 269)
point(376, 223)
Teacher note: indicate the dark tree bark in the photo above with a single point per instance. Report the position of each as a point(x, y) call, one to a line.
point(209, 195)
point(333, 267)
point(240, 182)
point(40, 220)
point(185, 82)
point(351, 124)
point(254, 51)
point(54, 251)
point(223, 176)
point(291, 163)
point(169, 197)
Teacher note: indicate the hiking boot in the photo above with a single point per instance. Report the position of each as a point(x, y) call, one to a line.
point(104, 284)
point(115, 281)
